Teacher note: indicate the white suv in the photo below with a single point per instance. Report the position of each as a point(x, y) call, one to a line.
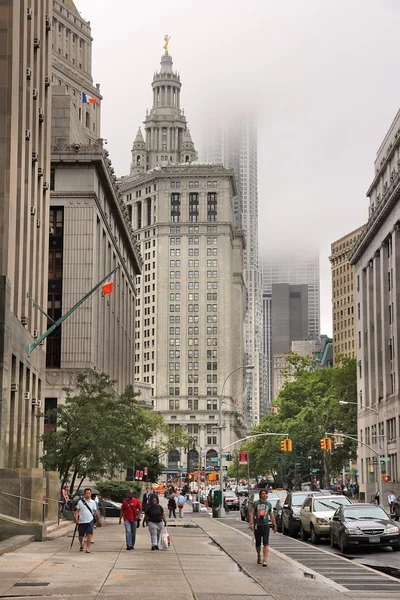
point(316, 515)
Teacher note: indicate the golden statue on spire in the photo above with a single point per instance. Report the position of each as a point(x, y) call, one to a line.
point(166, 40)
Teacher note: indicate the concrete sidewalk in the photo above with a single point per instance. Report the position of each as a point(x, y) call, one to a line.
point(194, 568)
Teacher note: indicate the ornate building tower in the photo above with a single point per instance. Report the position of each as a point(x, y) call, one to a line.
point(139, 155)
point(165, 125)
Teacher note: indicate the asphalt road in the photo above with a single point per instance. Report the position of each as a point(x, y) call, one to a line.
point(383, 558)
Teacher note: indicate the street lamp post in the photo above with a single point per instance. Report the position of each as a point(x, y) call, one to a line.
point(379, 469)
point(221, 427)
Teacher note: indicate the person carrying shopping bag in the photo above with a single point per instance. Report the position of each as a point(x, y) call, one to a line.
point(154, 518)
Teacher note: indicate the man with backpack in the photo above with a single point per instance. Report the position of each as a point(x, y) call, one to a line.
point(131, 510)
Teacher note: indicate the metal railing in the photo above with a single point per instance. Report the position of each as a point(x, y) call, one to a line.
point(42, 502)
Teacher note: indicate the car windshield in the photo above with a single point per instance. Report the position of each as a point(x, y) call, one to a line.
point(330, 503)
point(230, 493)
point(298, 500)
point(365, 512)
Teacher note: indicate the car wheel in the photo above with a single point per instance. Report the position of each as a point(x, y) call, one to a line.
point(396, 547)
point(313, 536)
point(343, 545)
point(242, 517)
point(396, 517)
point(303, 533)
point(333, 544)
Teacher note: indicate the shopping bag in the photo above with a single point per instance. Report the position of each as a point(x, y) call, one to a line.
point(164, 539)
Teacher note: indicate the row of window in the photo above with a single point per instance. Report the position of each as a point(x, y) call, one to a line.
point(193, 207)
point(193, 404)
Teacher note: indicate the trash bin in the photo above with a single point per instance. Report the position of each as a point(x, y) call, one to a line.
point(195, 506)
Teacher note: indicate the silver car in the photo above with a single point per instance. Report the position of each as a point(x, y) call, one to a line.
point(316, 515)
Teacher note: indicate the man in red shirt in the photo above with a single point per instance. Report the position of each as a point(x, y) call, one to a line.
point(131, 510)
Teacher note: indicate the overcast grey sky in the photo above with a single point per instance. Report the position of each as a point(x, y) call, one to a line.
point(322, 75)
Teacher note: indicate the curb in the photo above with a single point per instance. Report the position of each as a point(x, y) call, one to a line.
point(305, 570)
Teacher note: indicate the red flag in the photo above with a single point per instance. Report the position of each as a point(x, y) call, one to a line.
point(140, 475)
point(137, 474)
point(107, 288)
point(145, 470)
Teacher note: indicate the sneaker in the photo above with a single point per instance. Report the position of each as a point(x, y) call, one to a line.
point(154, 547)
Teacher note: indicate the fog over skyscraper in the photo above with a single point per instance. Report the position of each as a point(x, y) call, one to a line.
point(233, 142)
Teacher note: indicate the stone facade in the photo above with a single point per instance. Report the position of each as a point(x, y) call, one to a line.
point(25, 105)
point(376, 262)
point(90, 235)
point(190, 308)
point(72, 68)
point(343, 295)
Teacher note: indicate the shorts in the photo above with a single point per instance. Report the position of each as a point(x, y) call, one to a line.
point(261, 532)
point(85, 529)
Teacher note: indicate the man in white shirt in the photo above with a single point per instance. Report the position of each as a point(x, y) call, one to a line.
point(84, 515)
point(391, 499)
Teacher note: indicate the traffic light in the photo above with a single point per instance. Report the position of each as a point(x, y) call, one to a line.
point(289, 445)
point(284, 445)
point(326, 443)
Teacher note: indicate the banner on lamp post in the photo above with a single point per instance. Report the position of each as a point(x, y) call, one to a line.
point(242, 458)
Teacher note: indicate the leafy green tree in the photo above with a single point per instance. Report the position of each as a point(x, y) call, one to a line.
point(308, 406)
point(98, 433)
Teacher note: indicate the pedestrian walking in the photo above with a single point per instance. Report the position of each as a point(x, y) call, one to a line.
point(154, 518)
point(181, 501)
point(172, 506)
point(84, 516)
point(391, 500)
point(260, 514)
point(64, 499)
point(146, 498)
point(377, 497)
point(131, 510)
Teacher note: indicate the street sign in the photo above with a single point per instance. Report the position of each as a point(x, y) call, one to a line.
point(225, 468)
point(314, 470)
point(214, 459)
point(242, 458)
point(216, 468)
point(385, 458)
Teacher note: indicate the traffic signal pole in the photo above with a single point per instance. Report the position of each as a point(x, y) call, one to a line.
point(376, 452)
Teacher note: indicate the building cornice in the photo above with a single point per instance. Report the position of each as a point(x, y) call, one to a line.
point(389, 199)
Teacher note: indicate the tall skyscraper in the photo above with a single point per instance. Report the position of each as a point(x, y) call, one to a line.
point(188, 318)
point(233, 143)
point(25, 72)
point(343, 295)
point(295, 271)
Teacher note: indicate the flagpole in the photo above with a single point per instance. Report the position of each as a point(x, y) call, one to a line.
point(32, 347)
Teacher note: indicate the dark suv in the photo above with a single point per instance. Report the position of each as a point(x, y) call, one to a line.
point(291, 511)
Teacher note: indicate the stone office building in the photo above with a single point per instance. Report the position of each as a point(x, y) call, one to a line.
point(190, 309)
point(25, 106)
point(376, 262)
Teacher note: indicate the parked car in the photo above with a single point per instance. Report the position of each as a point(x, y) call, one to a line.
point(231, 500)
point(291, 511)
point(316, 515)
point(278, 514)
point(360, 525)
point(241, 490)
point(247, 504)
point(107, 508)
